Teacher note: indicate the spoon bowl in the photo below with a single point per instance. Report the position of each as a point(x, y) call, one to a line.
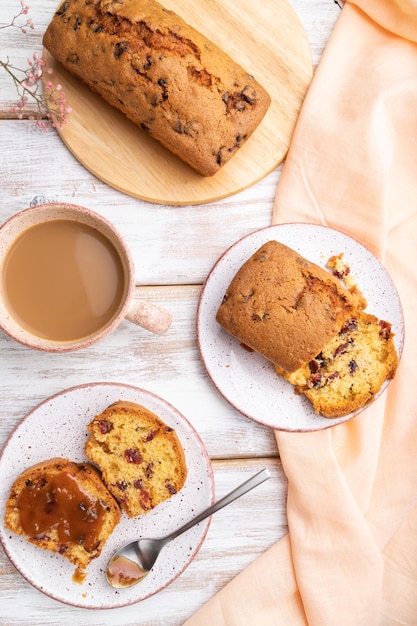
point(132, 562)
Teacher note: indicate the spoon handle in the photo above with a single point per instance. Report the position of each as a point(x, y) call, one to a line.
point(249, 484)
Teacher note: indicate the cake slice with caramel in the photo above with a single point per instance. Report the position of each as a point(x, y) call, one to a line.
point(64, 507)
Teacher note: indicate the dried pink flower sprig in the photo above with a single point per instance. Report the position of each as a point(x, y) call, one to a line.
point(24, 10)
point(52, 107)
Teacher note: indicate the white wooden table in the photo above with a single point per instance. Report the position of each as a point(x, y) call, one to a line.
point(171, 265)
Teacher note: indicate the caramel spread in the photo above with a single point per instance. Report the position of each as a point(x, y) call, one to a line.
point(57, 502)
point(123, 572)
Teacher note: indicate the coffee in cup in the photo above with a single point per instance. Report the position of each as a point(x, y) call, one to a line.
point(67, 279)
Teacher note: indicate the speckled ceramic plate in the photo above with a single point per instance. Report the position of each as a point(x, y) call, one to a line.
point(57, 427)
point(246, 379)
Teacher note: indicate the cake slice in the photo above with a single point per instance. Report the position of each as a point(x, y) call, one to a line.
point(64, 507)
point(350, 369)
point(141, 458)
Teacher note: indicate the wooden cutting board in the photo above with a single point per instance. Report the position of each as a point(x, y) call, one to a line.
point(267, 39)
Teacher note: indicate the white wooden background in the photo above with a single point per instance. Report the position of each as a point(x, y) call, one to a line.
point(173, 248)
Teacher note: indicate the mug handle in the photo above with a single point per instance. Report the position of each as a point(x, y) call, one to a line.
point(150, 316)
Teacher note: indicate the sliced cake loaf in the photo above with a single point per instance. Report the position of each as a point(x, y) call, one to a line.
point(311, 326)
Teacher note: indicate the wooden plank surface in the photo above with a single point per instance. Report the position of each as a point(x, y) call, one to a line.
point(167, 365)
point(166, 241)
point(173, 247)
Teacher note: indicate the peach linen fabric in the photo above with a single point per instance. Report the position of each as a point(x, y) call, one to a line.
point(350, 557)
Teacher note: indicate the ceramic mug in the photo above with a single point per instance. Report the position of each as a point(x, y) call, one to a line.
point(90, 268)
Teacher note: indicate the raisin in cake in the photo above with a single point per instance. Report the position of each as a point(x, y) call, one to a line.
point(164, 75)
point(350, 369)
point(285, 307)
point(64, 507)
point(141, 458)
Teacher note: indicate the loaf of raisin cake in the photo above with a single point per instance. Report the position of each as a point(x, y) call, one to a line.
point(164, 75)
point(141, 459)
point(285, 307)
point(350, 369)
point(64, 507)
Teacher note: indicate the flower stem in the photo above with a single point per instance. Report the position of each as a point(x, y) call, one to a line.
point(52, 108)
point(21, 83)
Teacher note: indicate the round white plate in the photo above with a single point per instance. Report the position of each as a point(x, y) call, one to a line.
point(58, 427)
point(246, 379)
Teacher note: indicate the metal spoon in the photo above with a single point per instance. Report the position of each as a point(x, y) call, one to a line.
point(132, 562)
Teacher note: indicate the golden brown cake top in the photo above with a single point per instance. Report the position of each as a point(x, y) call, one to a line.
point(285, 307)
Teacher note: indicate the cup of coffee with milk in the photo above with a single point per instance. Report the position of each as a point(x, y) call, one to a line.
point(67, 279)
